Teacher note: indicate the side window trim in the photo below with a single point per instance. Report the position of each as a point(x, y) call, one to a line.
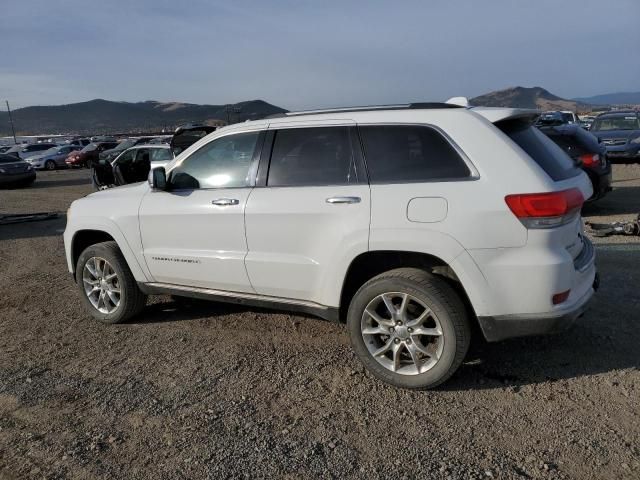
point(474, 174)
point(362, 177)
point(252, 168)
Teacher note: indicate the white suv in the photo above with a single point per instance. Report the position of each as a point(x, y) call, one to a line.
point(410, 223)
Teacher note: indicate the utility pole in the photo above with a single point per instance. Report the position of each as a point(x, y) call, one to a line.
point(11, 122)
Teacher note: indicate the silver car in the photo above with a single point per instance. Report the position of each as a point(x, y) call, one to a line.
point(25, 151)
point(53, 158)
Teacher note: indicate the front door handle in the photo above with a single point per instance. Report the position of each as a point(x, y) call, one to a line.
point(225, 202)
point(343, 200)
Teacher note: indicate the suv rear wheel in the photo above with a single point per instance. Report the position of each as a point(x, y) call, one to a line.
point(409, 328)
point(106, 284)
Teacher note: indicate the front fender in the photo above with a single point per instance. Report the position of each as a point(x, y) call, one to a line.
point(74, 227)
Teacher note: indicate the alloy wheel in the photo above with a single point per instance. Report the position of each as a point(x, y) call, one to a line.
point(402, 333)
point(101, 285)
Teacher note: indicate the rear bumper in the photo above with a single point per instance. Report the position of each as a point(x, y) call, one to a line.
point(511, 326)
point(522, 285)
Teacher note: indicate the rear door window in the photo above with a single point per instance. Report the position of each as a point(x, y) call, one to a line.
point(411, 154)
point(312, 156)
point(549, 156)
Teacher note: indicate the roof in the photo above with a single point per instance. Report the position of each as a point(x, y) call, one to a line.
point(369, 108)
point(619, 113)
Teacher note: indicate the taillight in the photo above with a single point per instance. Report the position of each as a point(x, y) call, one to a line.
point(546, 210)
point(560, 297)
point(590, 159)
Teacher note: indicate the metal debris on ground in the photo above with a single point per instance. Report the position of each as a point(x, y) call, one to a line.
point(615, 228)
point(26, 217)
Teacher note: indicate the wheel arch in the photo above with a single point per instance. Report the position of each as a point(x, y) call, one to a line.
point(371, 263)
point(83, 238)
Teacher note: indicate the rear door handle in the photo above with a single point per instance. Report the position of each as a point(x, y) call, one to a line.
point(225, 202)
point(343, 200)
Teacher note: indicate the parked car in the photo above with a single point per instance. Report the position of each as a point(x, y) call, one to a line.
point(103, 138)
point(131, 166)
point(586, 152)
point(53, 158)
point(112, 153)
point(558, 117)
point(4, 148)
point(570, 117)
point(619, 132)
point(81, 142)
point(15, 172)
point(25, 151)
point(410, 224)
point(88, 155)
point(187, 135)
point(161, 139)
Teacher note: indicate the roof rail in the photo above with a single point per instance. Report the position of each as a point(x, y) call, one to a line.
point(404, 106)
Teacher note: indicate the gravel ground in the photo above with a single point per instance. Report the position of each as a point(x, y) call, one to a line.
point(208, 390)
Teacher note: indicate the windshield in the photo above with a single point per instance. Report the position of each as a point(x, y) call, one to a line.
point(90, 147)
point(617, 123)
point(8, 158)
point(125, 144)
point(567, 117)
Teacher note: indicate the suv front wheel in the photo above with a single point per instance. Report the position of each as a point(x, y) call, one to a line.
point(106, 284)
point(409, 328)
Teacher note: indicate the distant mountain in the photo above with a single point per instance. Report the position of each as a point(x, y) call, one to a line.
point(104, 116)
point(620, 98)
point(525, 97)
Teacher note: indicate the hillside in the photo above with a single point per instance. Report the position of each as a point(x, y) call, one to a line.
point(104, 116)
point(620, 98)
point(524, 97)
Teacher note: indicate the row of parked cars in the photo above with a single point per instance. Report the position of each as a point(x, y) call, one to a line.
point(112, 162)
point(610, 137)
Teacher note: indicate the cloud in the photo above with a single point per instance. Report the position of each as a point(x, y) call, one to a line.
point(303, 54)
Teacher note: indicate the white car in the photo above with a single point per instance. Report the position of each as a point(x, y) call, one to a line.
point(409, 223)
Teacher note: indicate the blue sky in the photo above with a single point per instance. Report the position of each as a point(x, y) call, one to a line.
point(305, 54)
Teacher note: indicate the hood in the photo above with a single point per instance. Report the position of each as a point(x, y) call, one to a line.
point(17, 166)
point(120, 190)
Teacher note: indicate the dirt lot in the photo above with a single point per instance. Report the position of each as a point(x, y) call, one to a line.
point(218, 391)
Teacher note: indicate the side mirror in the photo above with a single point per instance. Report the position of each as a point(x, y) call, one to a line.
point(158, 179)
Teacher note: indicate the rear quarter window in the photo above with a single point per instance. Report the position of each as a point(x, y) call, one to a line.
point(411, 154)
point(549, 156)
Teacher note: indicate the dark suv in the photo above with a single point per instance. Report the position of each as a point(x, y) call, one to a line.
point(619, 133)
point(586, 152)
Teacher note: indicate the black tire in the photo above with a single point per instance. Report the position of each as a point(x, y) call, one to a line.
point(443, 301)
point(132, 300)
point(50, 165)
